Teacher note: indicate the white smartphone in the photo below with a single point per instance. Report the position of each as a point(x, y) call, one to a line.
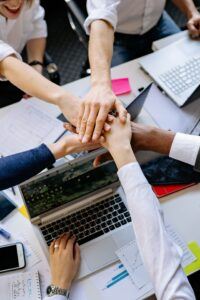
point(12, 257)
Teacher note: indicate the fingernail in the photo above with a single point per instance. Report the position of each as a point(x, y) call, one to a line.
point(95, 137)
point(84, 140)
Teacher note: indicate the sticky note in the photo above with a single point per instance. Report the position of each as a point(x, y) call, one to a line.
point(195, 265)
point(23, 211)
point(121, 86)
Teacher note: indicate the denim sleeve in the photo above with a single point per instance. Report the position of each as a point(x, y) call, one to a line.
point(17, 168)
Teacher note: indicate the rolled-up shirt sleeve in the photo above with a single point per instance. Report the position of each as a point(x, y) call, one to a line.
point(39, 26)
point(185, 148)
point(101, 10)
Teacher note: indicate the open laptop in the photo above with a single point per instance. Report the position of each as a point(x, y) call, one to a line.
point(176, 69)
point(87, 201)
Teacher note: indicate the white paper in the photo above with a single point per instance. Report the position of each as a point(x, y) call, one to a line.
point(26, 127)
point(187, 256)
point(21, 286)
point(130, 257)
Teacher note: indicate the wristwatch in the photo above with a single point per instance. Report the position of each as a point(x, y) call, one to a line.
point(35, 63)
point(53, 290)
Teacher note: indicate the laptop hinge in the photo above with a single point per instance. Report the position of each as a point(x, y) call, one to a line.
point(75, 207)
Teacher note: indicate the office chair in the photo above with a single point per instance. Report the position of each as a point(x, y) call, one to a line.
point(51, 69)
point(77, 13)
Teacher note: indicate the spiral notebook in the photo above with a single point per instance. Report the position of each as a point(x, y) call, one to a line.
point(22, 286)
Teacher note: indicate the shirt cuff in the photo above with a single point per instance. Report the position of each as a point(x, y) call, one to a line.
point(136, 178)
point(100, 14)
point(56, 297)
point(185, 148)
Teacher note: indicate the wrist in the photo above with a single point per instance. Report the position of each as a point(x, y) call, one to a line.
point(58, 149)
point(122, 155)
point(192, 13)
point(62, 284)
point(101, 83)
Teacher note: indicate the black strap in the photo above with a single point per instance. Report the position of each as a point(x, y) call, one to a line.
point(35, 63)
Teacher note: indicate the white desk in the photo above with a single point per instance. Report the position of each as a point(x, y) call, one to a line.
point(182, 209)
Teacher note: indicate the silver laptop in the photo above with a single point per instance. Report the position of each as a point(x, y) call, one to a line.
point(86, 201)
point(176, 69)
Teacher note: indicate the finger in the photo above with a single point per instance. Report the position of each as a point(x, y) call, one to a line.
point(57, 244)
point(51, 248)
point(193, 30)
point(69, 127)
point(106, 127)
point(64, 240)
point(77, 254)
point(122, 112)
point(101, 119)
point(80, 116)
point(110, 118)
point(84, 122)
point(70, 245)
point(90, 124)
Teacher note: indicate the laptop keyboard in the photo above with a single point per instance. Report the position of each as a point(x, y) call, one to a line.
point(182, 77)
point(91, 222)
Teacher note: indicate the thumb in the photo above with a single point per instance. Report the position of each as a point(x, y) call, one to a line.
point(69, 127)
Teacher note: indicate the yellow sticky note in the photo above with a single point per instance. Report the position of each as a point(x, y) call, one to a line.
point(195, 265)
point(23, 211)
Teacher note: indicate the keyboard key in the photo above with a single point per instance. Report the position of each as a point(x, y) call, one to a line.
point(112, 227)
point(90, 237)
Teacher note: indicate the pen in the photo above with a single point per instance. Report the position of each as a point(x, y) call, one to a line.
point(12, 188)
point(5, 233)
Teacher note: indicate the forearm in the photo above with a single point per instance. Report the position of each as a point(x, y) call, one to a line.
point(100, 52)
point(31, 82)
point(186, 6)
point(36, 49)
point(19, 167)
point(151, 138)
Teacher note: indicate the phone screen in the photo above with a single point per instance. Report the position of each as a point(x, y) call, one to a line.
point(6, 206)
point(8, 258)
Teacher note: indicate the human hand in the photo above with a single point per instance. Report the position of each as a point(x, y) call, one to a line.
point(64, 261)
point(71, 144)
point(70, 109)
point(94, 112)
point(193, 25)
point(117, 141)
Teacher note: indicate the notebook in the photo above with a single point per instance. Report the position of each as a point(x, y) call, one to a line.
point(21, 286)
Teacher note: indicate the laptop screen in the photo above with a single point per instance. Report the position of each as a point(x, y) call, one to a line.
point(63, 186)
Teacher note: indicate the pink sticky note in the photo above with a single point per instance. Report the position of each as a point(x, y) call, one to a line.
point(121, 86)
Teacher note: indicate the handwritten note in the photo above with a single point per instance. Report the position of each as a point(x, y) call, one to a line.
point(121, 86)
point(22, 286)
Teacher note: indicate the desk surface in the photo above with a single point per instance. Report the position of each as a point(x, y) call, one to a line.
point(182, 209)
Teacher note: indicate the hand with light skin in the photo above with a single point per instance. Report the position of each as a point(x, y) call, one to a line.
point(193, 25)
point(118, 142)
point(64, 261)
point(70, 144)
point(94, 111)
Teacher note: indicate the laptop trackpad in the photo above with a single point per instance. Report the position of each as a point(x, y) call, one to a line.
point(100, 253)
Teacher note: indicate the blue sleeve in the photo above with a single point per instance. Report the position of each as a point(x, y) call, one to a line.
point(17, 168)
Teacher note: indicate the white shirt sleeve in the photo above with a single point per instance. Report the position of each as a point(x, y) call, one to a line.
point(185, 148)
point(56, 297)
point(102, 10)
point(159, 253)
point(39, 26)
point(5, 51)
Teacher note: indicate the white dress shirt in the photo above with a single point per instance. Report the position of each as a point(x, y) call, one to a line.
point(185, 148)
point(126, 16)
point(14, 34)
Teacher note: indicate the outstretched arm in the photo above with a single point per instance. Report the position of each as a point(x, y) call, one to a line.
point(163, 266)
